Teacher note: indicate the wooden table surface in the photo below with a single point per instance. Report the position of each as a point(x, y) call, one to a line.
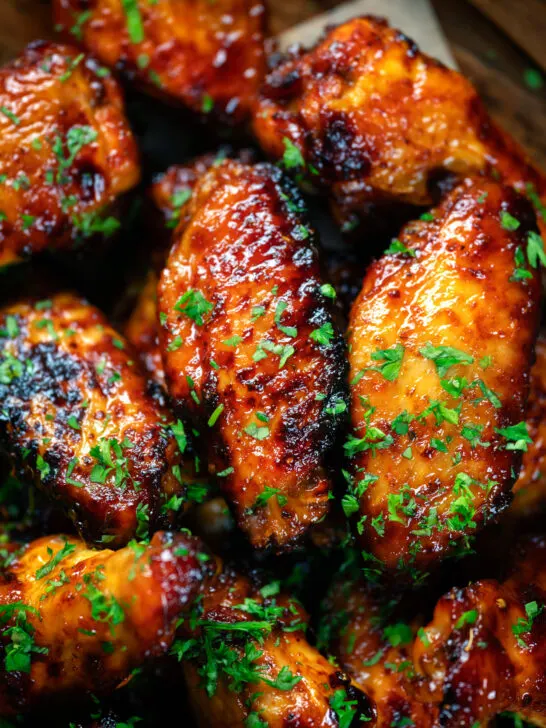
point(499, 44)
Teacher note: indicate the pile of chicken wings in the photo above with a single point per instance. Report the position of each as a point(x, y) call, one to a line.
point(279, 485)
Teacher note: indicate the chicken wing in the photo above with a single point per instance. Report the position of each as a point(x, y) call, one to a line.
point(66, 151)
point(75, 622)
point(77, 419)
point(530, 487)
point(209, 56)
point(441, 343)
point(251, 351)
point(484, 651)
point(248, 663)
point(360, 628)
point(368, 117)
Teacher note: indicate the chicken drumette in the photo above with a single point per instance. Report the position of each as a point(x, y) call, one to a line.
point(75, 622)
point(369, 118)
point(66, 151)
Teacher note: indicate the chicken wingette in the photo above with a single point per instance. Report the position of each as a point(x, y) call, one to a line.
point(207, 55)
point(75, 622)
point(251, 350)
point(440, 345)
point(247, 662)
point(77, 418)
point(367, 117)
point(484, 651)
point(371, 639)
point(66, 151)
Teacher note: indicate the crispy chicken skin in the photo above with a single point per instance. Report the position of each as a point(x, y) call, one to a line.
point(209, 56)
point(484, 651)
point(441, 343)
point(66, 151)
point(375, 120)
point(251, 351)
point(270, 673)
point(78, 419)
point(530, 487)
point(75, 622)
point(374, 648)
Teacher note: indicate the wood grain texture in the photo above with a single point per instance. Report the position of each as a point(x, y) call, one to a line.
point(524, 21)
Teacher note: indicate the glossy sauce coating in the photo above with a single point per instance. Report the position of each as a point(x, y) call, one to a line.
point(374, 647)
point(141, 329)
point(78, 419)
point(485, 649)
point(251, 351)
point(428, 462)
point(230, 598)
point(375, 120)
point(209, 56)
point(66, 151)
point(93, 615)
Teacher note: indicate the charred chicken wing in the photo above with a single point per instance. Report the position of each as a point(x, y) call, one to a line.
point(251, 351)
point(441, 344)
point(484, 651)
point(77, 419)
point(368, 117)
point(207, 55)
point(75, 622)
point(248, 663)
point(66, 151)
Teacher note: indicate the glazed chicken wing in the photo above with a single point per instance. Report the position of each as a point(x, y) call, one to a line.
point(484, 651)
point(77, 419)
point(251, 351)
point(368, 117)
point(75, 622)
point(207, 55)
point(248, 663)
point(441, 344)
point(66, 151)
point(374, 647)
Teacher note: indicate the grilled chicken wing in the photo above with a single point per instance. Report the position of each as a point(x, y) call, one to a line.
point(441, 343)
point(66, 151)
point(484, 651)
point(75, 622)
point(248, 663)
point(209, 56)
point(362, 632)
point(530, 487)
point(368, 117)
point(251, 350)
point(77, 418)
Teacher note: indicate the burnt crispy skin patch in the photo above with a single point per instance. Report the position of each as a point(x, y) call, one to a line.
point(285, 681)
point(91, 616)
point(77, 418)
point(208, 56)
point(376, 121)
point(432, 453)
point(66, 151)
point(484, 650)
point(251, 350)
